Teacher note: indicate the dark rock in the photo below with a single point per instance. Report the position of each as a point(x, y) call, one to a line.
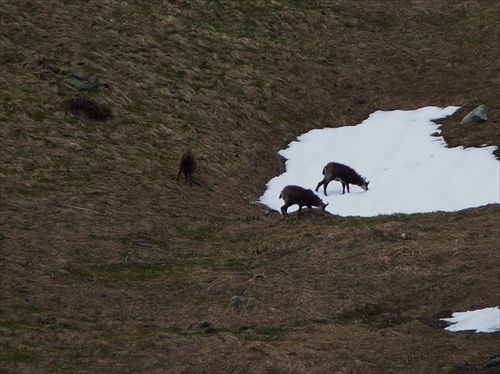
point(84, 106)
point(210, 330)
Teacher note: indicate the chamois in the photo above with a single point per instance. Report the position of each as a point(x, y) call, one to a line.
point(187, 166)
point(298, 195)
point(344, 174)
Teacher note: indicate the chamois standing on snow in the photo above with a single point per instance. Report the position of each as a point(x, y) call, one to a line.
point(187, 166)
point(342, 173)
point(298, 195)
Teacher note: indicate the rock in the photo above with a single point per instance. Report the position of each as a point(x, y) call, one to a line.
point(210, 330)
point(208, 327)
point(494, 361)
point(477, 115)
point(84, 106)
point(240, 300)
point(404, 236)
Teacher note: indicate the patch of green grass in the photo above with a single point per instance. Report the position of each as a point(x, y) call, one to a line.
point(368, 222)
point(146, 344)
point(238, 265)
point(16, 324)
point(174, 329)
point(266, 333)
point(205, 233)
point(172, 266)
point(10, 354)
point(251, 333)
point(146, 240)
point(374, 315)
point(65, 347)
point(37, 115)
point(130, 271)
point(31, 308)
point(17, 191)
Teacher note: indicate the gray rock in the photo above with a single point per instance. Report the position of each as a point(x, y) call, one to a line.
point(404, 236)
point(477, 115)
point(241, 300)
point(494, 361)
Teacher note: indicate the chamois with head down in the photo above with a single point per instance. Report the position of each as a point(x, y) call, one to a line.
point(344, 174)
point(187, 166)
point(298, 195)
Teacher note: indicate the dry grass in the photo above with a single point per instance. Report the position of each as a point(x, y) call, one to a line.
point(109, 264)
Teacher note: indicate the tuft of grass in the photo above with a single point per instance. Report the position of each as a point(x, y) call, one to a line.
point(374, 315)
point(37, 115)
point(364, 312)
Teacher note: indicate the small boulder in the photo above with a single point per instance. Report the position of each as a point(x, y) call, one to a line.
point(494, 361)
point(84, 106)
point(477, 115)
point(241, 300)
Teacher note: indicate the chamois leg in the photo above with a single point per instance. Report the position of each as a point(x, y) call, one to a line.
point(186, 175)
point(319, 185)
point(284, 212)
point(343, 186)
point(188, 178)
point(325, 186)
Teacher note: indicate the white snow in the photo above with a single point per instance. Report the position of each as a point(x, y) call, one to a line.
point(409, 170)
point(483, 320)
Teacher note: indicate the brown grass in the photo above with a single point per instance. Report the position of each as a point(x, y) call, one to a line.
point(108, 264)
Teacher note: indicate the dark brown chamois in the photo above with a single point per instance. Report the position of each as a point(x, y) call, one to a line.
point(298, 195)
point(187, 166)
point(344, 174)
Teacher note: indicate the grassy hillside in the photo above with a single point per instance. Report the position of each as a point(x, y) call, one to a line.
point(108, 263)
